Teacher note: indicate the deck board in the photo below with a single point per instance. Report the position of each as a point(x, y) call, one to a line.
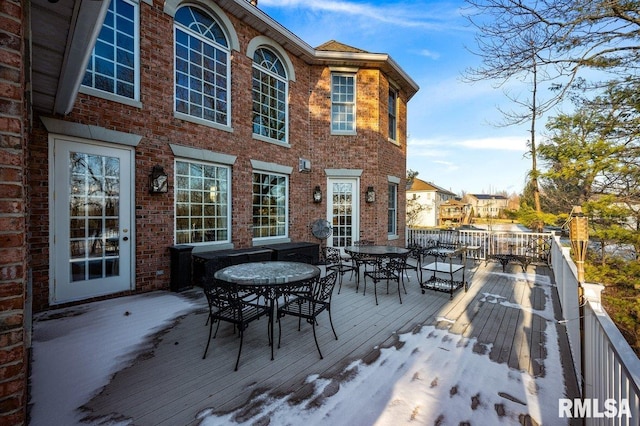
point(171, 384)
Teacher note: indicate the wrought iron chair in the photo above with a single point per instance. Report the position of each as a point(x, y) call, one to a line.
point(362, 261)
point(415, 252)
point(227, 304)
point(387, 269)
point(335, 262)
point(309, 306)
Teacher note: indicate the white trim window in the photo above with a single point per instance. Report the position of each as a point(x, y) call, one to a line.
point(202, 67)
point(270, 88)
point(270, 205)
point(202, 203)
point(343, 103)
point(392, 220)
point(393, 114)
point(113, 67)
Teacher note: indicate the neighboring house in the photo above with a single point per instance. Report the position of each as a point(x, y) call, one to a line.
point(202, 123)
point(487, 205)
point(425, 199)
point(453, 213)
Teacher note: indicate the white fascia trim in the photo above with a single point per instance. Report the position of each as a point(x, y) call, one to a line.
point(86, 24)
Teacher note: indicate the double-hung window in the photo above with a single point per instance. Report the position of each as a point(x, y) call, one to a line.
point(201, 67)
point(269, 96)
point(270, 205)
point(343, 103)
point(202, 203)
point(113, 65)
point(392, 220)
point(393, 105)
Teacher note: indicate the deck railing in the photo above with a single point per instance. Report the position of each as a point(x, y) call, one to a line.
point(607, 369)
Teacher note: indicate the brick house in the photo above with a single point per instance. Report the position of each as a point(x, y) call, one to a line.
point(207, 124)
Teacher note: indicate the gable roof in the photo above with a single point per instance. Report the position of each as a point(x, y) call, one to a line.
point(336, 46)
point(421, 185)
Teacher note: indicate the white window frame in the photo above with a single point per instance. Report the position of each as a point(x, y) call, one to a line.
point(223, 203)
point(226, 50)
point(285, 207)
point(392, 210)
point(338, 101)
point(392, 218)
point(90, 89)
point(393, 114)
point(283, 79)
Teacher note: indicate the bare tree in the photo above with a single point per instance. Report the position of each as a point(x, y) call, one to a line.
point(550, 41)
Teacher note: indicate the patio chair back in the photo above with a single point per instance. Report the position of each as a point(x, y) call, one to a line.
point(335, 262)
point(227, 304)
point(311, 306)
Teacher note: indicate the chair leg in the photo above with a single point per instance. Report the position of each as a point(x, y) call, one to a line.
point(331, 322)
point(240, 348)
point(375, 289)
point(279, 331)
point(313, 325)
point(209, 339)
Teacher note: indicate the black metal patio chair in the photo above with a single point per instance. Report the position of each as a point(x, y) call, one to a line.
point(334, 261)
point(227, 304)
point(387, 269)
point(309, 306)
point(415, 253)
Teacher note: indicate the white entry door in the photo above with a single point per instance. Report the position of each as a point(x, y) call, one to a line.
point(343, 211)
point(92, 245)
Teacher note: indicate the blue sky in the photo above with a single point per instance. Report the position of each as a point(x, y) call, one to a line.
point(453, 139)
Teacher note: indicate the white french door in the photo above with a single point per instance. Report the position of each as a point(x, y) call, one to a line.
point(92, 240)
point(343, 211)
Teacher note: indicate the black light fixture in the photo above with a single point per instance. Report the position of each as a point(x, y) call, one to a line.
point(158, 180)
point(370, 195)
point(317, 194)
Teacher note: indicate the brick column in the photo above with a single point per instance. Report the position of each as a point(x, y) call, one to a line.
point(13, 202)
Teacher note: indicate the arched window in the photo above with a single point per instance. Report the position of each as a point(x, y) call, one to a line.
point(270, 87)
point(202, 67)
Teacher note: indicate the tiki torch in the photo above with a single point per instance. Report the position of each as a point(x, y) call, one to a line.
point(579, 237)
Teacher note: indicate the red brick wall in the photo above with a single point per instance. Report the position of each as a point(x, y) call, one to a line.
point(309, 137)
point(13, 248)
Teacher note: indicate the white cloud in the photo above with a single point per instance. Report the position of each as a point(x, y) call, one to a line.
point(429, 54)
point(505, 143)
point(429, 17)
point(443, 146)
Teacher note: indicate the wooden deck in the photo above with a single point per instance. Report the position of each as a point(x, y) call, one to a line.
point(172, 384)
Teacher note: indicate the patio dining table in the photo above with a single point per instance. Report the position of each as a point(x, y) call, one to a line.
point(269, 279)
point(375, 255)
point(377, 251)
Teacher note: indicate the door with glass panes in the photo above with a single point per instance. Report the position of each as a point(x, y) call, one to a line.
point(92, 245)
point(343, 211)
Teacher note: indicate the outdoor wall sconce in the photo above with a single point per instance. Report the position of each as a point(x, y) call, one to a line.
point(158, 180)
point(370, 195)
point(317, 194)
